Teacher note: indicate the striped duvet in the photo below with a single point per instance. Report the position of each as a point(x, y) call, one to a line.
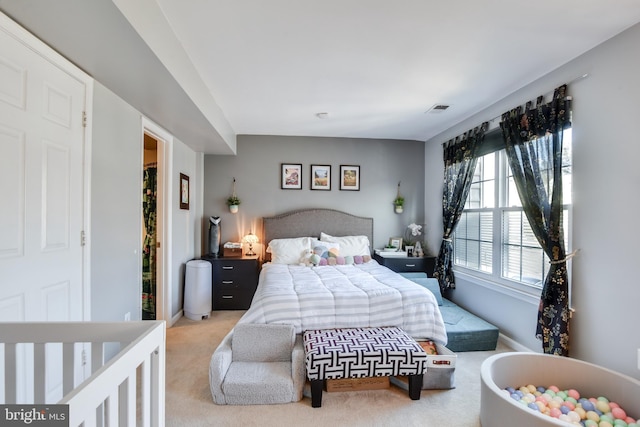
point(344, 296)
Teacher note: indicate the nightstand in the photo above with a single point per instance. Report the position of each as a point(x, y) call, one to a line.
point(406, 264)
point(234, 281)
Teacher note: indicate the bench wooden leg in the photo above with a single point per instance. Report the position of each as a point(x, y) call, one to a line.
point(415, 386)
point(316, 393)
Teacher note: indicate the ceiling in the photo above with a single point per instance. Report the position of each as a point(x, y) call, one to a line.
point(209, 70)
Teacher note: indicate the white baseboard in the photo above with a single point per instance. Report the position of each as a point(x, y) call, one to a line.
point(513, 344)
point(175, 318)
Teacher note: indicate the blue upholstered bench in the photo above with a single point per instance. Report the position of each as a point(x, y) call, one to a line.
point(362, 352)
point(465, 331)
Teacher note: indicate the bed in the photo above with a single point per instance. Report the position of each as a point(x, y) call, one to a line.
point(345, 287)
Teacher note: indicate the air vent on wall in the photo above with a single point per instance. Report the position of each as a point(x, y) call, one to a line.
point(438, 108)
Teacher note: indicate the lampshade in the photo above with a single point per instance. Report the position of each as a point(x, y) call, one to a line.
point(250, 239)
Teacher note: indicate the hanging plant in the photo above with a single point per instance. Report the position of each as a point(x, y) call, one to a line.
point(398, 202)
point(233, 201)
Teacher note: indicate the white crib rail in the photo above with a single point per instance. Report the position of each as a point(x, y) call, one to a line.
point(109, 396)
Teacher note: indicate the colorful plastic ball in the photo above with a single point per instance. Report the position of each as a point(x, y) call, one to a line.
point(573, 393)
point(592, 415)
point(553, 388)
point(541, 405)
point(533, 406)
point(603, 406)
point(555, 412)
point(590, 423)
point(581, 412)
point(573, 416)
point(605, 424)
point(620, 423)
point(618, 413)
point(547, 397)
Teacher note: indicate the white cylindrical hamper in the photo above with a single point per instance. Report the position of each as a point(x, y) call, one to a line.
point(197, 290)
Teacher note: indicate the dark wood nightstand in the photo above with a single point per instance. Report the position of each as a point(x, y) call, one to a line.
point(407, 264)
point(234, 281)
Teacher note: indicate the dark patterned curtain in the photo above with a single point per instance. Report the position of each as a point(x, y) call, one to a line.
point(533, 140)
point(460, 158)
point(149, 190)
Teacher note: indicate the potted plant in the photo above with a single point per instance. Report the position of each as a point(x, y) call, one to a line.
point(233, 201)
point(398, 202)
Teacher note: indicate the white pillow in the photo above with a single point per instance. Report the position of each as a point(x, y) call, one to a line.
point(289, 251)
point(349, 245)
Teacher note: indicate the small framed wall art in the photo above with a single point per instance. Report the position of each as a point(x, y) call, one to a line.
point(320, 177)
point(291, 176)
point(350, 177)
point(184, 191)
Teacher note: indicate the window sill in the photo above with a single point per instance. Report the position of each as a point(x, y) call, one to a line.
point(522, 292)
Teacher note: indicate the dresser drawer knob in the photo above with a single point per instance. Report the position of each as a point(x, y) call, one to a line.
point(227, 267)
point(227, 282)
point(410, 265)
point(227, 296)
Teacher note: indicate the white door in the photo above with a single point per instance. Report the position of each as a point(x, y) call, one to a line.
point(41, 193)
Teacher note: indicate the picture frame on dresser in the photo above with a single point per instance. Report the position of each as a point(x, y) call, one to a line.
point(395, 242)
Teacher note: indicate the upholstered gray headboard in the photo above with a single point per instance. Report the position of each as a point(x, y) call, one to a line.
point(311, 222)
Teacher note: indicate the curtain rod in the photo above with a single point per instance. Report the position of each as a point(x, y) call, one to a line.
point(494, 125)
point(492, 122)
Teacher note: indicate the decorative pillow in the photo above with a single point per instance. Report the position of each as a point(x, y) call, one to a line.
point(289, 251)
point(349, 245)
point(327, 249)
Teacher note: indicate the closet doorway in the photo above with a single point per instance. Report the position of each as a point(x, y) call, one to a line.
point(151, 244)
point(155, 284)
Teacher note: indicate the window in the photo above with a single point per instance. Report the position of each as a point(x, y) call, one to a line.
point(493, 237)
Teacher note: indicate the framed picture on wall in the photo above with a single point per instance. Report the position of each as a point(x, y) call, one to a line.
point(184, 191)
point(349, 177)
point(320, 177)
point(291, 176)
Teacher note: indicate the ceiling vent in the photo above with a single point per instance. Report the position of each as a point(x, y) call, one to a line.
point(438, 108)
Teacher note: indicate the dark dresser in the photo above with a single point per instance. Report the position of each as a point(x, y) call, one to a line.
point(234, 281)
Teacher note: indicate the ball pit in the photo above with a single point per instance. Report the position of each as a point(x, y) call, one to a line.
point(579, 391)
point(569, 406)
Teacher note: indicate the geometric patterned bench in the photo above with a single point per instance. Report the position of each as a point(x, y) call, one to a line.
point(362, 352)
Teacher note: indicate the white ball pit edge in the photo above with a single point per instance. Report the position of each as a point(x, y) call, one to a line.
point(517, 369)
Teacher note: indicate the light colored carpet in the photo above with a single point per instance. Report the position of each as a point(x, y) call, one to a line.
point(190, 345)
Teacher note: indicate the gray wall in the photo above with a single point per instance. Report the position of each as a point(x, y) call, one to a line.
point(257, 171)
point(116, 183)
point(116, 211)
point(606, 294)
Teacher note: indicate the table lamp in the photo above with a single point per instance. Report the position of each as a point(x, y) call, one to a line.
point(250, 239)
